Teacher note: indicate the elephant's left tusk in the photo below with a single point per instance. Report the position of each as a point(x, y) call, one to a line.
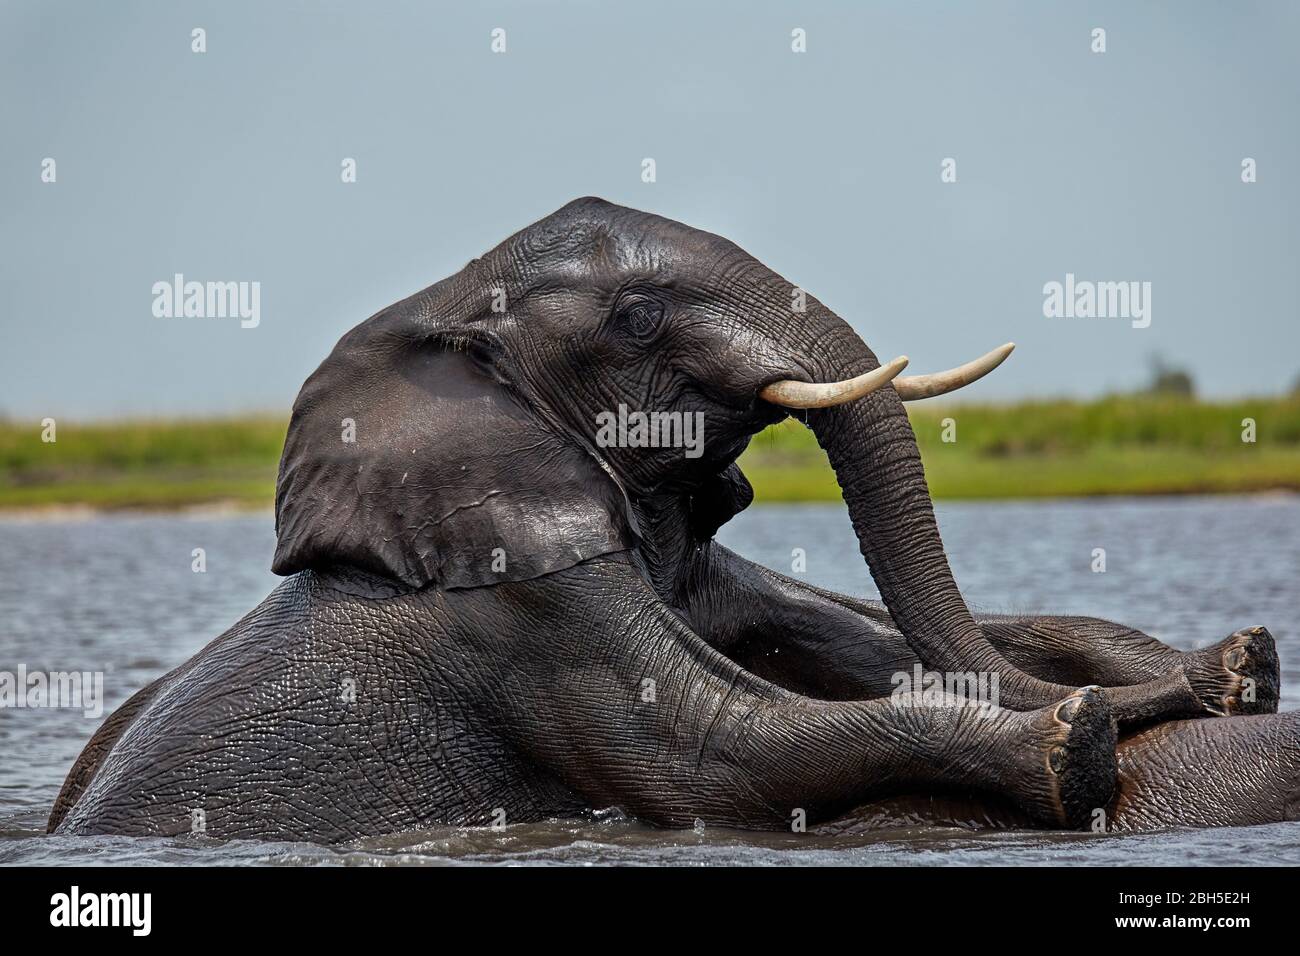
point(792, 394)
point(915, 387)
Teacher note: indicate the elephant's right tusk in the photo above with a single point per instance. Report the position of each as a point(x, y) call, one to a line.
point(792, 394)
point(915, 387)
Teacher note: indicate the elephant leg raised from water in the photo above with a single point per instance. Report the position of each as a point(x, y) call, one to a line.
point(618, 698)
point(1239, 771)
point(845, 648)
point(1237, 675)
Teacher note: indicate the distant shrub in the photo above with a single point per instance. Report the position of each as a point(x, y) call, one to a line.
point(1167, 380)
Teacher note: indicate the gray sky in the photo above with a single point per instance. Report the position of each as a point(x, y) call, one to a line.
point(225, 165)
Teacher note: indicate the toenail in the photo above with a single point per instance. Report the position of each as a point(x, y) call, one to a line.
point(1056, 759)
point(1068, 708)
point(1235, 658)
point(1257, 629)
point(1230, 703)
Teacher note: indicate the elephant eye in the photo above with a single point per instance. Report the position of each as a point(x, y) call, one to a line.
point(641, 318)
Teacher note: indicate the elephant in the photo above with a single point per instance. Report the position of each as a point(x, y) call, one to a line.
point(503, 600)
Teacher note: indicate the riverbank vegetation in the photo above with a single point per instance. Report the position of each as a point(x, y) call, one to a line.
point(1121, 445)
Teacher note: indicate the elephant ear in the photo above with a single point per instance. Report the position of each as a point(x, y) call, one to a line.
point(719, 499)
point(410, 456)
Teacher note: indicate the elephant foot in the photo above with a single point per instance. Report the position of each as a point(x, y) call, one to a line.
point(1070, 765)
point(1238, 675)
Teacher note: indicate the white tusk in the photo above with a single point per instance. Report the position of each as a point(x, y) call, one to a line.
point(914, 387)
point(792, 394)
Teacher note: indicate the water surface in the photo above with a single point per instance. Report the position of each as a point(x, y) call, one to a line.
point(117, 594)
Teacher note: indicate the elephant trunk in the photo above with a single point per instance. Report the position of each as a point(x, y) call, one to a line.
point(873, 450)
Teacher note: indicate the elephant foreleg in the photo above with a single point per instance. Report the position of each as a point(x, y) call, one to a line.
point(1090, 650)
point(625, 704)
point(843, 647)
point(1084, 648)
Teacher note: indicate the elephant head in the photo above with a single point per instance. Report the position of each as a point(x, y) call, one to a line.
point(496, 437)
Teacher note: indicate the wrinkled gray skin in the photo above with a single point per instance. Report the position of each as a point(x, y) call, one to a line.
point(486, 611)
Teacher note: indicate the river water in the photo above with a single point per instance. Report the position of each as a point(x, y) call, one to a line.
point(117, 594)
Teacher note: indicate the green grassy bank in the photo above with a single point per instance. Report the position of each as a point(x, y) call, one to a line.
point(142, 464)
point(1120, 445)
point(1125, 445)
